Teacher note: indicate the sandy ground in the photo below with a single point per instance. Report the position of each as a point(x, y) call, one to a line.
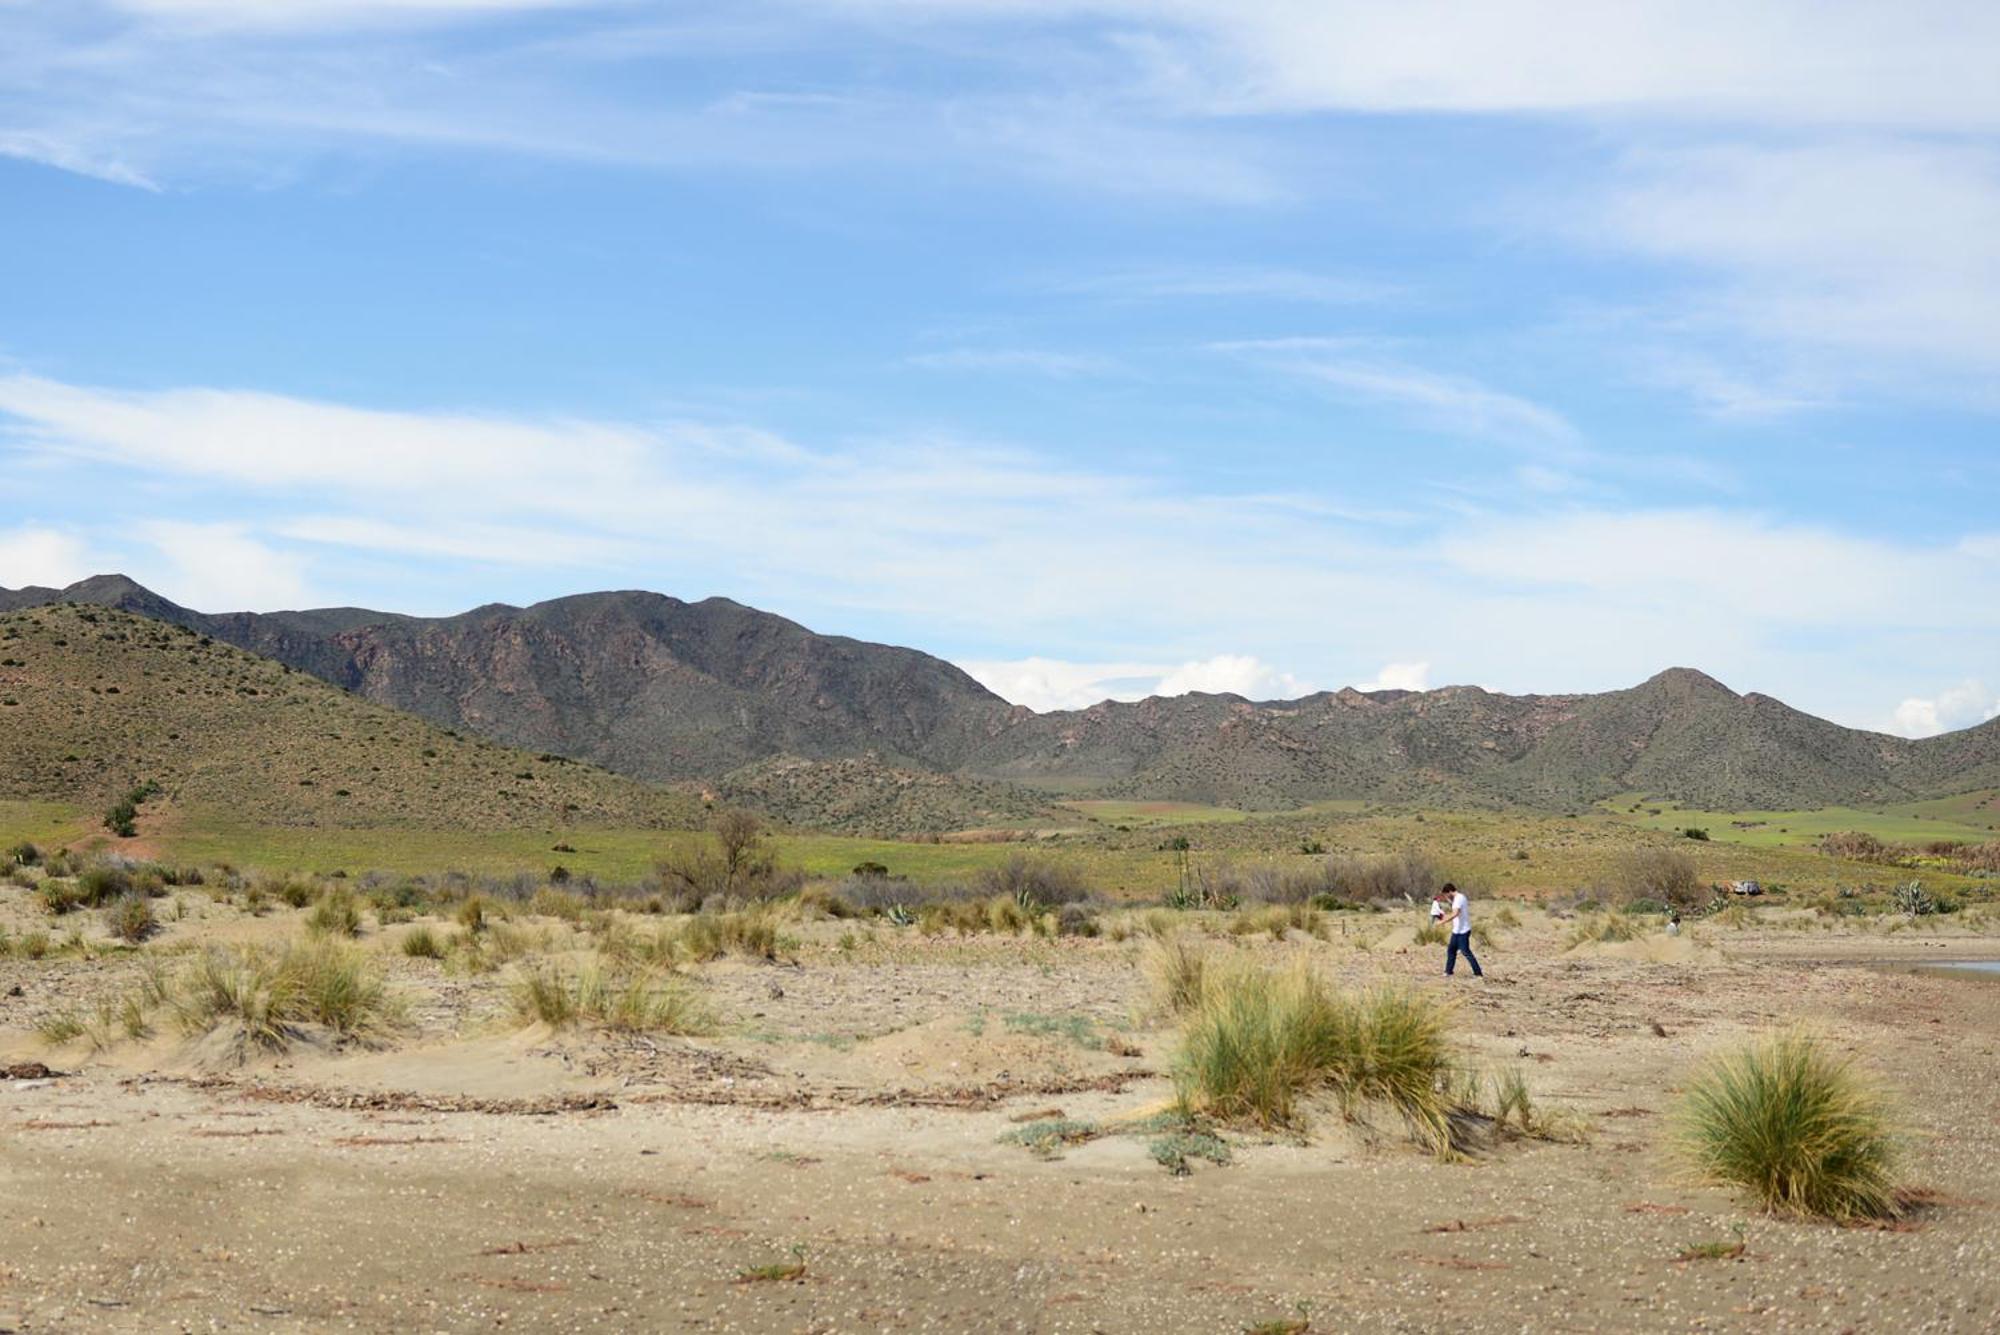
point(849, 1120)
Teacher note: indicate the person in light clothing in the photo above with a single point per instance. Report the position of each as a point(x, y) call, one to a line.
point(1461, 934)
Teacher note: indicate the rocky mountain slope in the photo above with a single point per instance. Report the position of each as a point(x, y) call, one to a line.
point(661, 689)
point(94, 702)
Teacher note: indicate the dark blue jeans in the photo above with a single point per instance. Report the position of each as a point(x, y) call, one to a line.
point(1461, 943)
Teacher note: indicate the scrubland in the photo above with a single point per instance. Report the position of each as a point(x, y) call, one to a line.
point(731, 1095)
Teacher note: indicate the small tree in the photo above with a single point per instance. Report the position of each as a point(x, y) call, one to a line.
point(739, 836)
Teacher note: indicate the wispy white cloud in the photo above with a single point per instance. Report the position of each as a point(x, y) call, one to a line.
point(1445, 402)
point(54, 150)
point(1856, 250)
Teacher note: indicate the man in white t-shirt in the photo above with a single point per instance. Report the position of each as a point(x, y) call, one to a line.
point(1461, 934)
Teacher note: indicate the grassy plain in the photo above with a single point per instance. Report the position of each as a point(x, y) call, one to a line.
point(1969, 817)
point(1513, 853)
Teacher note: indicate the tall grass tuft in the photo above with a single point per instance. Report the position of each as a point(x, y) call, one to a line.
point(267, 997)
point(1802, 1128)
point(1259, 1041)
point(1179, 971)
point(337, 913)
point(635, 1003)
point(422, 943)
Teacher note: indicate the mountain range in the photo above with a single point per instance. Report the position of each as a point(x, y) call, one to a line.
point(663, 690)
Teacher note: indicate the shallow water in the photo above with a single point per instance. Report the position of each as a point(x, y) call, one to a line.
point(1972, 966)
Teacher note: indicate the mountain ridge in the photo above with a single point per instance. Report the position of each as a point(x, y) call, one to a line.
point(660, 689)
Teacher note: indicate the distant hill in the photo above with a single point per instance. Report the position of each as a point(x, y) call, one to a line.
point(637, 682)
point(865, 796)
point(95, 701)
point(662, 689)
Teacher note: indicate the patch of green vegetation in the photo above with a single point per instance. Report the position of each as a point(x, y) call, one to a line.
point(1046, 1139)
point(1172, 1151)
point(1972, 817)
point(1078, 1029)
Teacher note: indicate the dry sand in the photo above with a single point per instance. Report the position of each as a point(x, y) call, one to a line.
point(474, 1176)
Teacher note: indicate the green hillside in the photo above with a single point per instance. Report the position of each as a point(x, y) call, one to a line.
point(94, 702)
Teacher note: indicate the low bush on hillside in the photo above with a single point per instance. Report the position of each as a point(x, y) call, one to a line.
point(122, 819)
point(1799, 1127)
point(24, 854)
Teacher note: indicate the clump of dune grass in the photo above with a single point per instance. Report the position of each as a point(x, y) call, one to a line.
point(709, 936)
point(648, 1002)
point(1179, 971)
point(267, 997)
point(59, 1028)
point(337, 914)
point(421, 943)
point(1432, 934)
point(1261, 1041)
point(1800, 1127)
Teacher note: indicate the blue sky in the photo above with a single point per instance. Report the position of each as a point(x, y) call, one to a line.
point(1101, 347)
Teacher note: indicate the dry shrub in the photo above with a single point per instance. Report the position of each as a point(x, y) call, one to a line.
point(1661, 874)
point(130, 918)
point(1034, 884)
point(1854, 845)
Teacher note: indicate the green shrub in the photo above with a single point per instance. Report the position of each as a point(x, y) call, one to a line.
point(24, 854)
point(1804, 1130)
point(99, 885)
point(60, 896)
